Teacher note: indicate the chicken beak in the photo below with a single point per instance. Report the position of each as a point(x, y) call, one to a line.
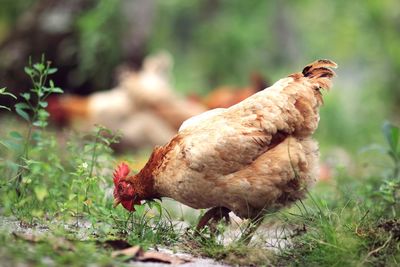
point(116, 202)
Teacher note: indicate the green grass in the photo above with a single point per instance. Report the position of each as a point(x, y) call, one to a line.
point(14, 251)
point(59, 188)
point(349, 223)
point(64, 182)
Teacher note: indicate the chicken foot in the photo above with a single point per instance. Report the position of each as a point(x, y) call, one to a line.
point(213, 216)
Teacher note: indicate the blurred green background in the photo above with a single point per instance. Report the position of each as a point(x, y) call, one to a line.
point(219, 42)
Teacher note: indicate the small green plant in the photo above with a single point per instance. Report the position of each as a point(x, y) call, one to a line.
point(32, 110)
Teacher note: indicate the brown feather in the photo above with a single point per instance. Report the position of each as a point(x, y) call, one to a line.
point(144, 180)
point(253, 157)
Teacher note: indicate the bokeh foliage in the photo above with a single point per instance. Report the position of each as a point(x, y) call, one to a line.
point(222, 42)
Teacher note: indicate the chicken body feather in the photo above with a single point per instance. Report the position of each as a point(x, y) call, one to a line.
point(253, 157)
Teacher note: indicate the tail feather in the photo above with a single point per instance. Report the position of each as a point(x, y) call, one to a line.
point(320, 72)
point(322, 63)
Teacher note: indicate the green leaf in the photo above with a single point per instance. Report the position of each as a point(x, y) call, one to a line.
point(158, 207)
point(20, 109)
point(22, 113)
point(43, 113)
point(39, 67)
point(391, 134)
point(26, 96)
point(41, 193)
point(41, 124)
point(22, 105)
point(16, 135)
point(28, 71)
point(51, 70)
point(57, 90)
point(43, 104)
point(105, 140)
point(139, 210)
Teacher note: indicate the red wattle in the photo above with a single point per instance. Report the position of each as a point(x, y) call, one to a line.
point(129, 204)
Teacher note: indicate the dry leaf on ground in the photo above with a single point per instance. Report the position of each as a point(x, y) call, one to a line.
point(136, 253)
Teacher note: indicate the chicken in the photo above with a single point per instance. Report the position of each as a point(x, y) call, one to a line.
point(83, 112)
point(140, 127)
point(143, 106)
point(255, 157)
point(226, 96)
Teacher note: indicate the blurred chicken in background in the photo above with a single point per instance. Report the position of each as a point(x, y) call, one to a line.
point(143, 106)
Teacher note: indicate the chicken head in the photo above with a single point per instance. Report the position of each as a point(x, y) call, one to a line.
point(124, 191)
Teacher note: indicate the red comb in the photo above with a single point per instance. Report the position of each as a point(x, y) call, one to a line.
point(121, 172)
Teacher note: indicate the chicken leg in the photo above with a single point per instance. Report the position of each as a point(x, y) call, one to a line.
point(213, 216)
